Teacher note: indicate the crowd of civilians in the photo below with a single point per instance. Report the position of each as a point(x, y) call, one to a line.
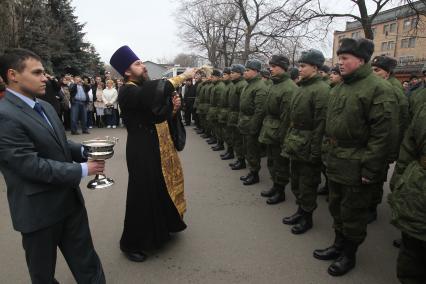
point(83, 102)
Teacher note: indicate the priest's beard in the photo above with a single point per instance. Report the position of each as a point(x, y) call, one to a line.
point(142, 78)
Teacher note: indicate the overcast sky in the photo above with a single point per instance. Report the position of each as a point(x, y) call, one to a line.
point(149, 27)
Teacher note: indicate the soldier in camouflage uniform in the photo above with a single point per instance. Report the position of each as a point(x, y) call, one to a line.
point(324, 72)
point(418, 97)
point(383, 67)
point(216, 93)
point(207, 104)
point(303, 141)
point(266, 77)
point(335, 79)
point(199, 75)
point(408, 201)
point(275, 126)
point(251, 117)
point(202, 106)
point(360, 119)
point(223, 114)
point(239, 83)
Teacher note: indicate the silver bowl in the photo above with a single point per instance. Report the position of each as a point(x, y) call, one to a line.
point(100, 149)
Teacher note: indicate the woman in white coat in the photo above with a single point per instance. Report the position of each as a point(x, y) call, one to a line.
point(110, 96)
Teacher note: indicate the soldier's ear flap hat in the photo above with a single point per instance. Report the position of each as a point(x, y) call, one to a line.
point(227, 70)
point(294, 73)
point(361, 48)
point(280, 60)
point(384, 62)
point(217, 73)
point(238, 68)
point(265, 73)
point(312, 57)
point(122, 59)
point(254, 64)
point(325, 69)
point(335, 69)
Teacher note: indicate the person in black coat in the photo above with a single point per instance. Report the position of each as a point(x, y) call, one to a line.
point(150, 212)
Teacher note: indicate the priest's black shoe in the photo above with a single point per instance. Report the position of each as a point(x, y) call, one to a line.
point(241, 164)
point(397, 243)
point(293, 219)
point(278, 197)
point(323, 190)
point(218, 148)
point(332, 252)
point(135, 256)
point(304, 224)
point(253, 179)
point(244, 178)
point(346, 262)
point(372, 215)
point(228, 156)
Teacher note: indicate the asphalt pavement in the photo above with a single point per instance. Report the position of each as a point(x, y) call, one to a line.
point(232, 235)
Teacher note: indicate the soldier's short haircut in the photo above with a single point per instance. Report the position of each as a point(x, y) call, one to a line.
point(15, 59)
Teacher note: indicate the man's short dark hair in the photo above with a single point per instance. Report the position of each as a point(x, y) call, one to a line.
point(14, 58)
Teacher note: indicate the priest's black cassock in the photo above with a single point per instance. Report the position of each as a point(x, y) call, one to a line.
point(150, 212)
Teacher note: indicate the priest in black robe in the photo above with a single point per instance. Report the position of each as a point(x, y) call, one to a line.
point(151, 214)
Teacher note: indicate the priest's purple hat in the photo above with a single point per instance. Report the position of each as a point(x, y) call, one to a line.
point(122, 59)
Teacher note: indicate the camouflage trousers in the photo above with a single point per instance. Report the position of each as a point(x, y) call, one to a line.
point(252, 152)
point(227, 136)
point(237, 142)
point(279, 167)
point(202, 120)
point(411, 260)
point(305, 178)
point(348, 205)
point(377, 194)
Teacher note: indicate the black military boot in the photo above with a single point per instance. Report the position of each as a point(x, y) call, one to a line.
point(218, 147)
point(244, 178)
point(241, 164)
point(372, 214)
point(211, 141)
point(205, 136)
point(200, 131)
point(346, 261)
point(332, 252)
point(269, 192)
point(293, 219)
point(233, 163)
point(253, 179)
point(278, 197)
point(304, 224)
point(228, 156)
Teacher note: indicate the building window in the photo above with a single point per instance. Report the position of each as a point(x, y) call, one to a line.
point(356, 35)
point(408, 42)
point(410, 24)
point(392, 28)
point(388, 45)
point(405, 59)
point(389, 28)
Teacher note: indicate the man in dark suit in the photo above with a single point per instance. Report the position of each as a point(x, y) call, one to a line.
point(79, 100)
point(42, 171)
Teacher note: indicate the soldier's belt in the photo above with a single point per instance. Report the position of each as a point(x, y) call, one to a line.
point(300, 126)
point(423, 162)
point(345, 143)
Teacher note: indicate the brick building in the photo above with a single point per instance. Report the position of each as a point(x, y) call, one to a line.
point(398, 33)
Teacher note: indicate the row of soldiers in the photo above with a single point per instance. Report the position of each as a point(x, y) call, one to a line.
point(349, 125)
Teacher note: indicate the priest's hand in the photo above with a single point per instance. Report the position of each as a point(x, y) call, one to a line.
point(177, 103)
point(95, 167)
point(189, 73)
